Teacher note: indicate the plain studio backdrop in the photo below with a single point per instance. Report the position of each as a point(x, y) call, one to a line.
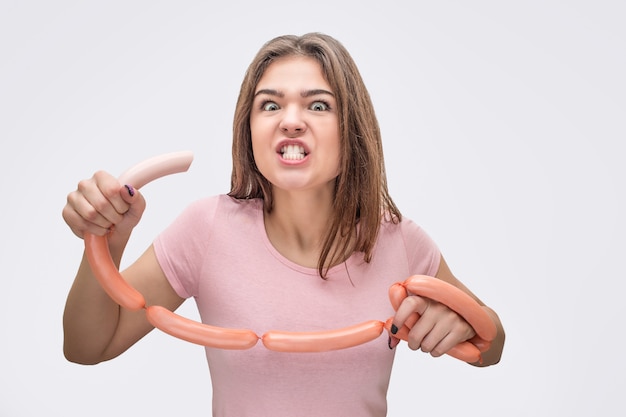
point(503, 127)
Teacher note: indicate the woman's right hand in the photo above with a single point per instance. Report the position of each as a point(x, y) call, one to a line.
point(100, 206)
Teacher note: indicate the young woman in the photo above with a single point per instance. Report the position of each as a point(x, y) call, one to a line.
point(308, 238)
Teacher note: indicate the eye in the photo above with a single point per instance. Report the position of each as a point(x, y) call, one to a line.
point(319, 106)
point(269, 106)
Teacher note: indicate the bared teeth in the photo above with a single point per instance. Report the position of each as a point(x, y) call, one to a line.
point(292, 152)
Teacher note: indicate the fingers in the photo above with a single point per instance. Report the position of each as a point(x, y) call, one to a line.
point(432, 327)
point(98, 204)
point(438, 336)
point(101, 202)
point(411, 309)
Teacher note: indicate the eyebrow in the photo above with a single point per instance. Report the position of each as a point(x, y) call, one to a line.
point(306, 93)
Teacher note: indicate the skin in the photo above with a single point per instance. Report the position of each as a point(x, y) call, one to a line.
point(95, 328)
point(439, 328)
point(294, 104)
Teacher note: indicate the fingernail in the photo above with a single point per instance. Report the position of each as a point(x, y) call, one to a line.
point(394, 329)
point(393, 342)
point(131, 190)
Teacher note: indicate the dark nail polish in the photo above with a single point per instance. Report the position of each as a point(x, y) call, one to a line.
point(393, 342)
point(394, 329)
point(131, 190)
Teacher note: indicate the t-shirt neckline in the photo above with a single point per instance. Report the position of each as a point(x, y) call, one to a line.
point(287, 262)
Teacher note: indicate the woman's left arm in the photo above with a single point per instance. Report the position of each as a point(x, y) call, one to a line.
point(438, 328)
point(493, 355)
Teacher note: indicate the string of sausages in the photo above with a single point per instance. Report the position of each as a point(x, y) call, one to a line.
point(120, 291)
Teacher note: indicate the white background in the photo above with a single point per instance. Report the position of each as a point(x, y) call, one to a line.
point(503, 126)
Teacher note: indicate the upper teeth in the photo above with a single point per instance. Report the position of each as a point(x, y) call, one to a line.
point(292, 152)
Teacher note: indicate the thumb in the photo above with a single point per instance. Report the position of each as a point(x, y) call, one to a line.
point(129, 194)
point(137, 203)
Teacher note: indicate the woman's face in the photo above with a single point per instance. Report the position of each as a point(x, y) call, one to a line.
point(295, 127)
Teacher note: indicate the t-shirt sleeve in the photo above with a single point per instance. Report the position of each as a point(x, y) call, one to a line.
point(422, 252)
point(180, 247)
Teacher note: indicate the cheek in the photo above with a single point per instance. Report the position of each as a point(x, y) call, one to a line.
point(256, 154)
point(257, 135)
point(337, 147)
point(260, 131)
point(260, 153)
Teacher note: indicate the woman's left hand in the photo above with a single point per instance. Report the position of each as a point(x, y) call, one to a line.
point(437, 330)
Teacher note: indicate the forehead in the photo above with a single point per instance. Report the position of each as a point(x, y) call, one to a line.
point(297, 72)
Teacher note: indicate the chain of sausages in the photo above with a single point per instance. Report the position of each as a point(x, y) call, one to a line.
point(120, 291)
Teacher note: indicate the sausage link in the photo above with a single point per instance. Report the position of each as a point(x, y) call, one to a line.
point(322, 341)
point(103, 267)
point(397, 293)
point(156, 167)
point(198, 333)
point(455, 299)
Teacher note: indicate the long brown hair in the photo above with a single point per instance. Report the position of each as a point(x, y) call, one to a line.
point(361, 194)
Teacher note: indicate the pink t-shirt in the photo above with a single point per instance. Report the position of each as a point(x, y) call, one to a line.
point(217, 251)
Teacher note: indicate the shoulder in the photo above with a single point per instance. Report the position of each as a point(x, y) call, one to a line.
point(413, 236)
point(405, 227)
point(221, 204)
point(208, 220)
point(222, 215)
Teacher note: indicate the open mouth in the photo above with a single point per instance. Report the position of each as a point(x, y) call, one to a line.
point(293, 152)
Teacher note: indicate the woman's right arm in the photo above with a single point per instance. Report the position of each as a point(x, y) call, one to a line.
point(95, 327)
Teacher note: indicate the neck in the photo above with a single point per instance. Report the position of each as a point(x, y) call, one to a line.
point(298, 224)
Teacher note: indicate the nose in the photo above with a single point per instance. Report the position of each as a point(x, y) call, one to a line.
point(292, 122)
